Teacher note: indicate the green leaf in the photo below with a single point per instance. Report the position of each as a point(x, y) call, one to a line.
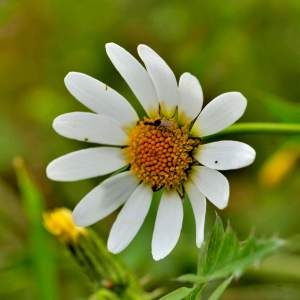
point(224, 255)
point(195, 294)
point(192, 278)
point(178, 294)
point(213, 246)
point(218, 292)
point(42, 259)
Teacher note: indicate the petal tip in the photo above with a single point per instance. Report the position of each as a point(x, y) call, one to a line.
point(112, 48)
point(144, 50)
point(185, 74)
point(221, 207)
point(158, 256)
point(242, 98)
point(157, 252)
point(251, 156)
point(141, 47)
point(199, 243)
point(238, 98)
point(223, 204)
point(70, 76)
point(112, 248)
point(110, 45)
point(56, 122)
point(50, 172)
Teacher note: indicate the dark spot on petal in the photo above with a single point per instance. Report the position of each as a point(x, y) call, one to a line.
point(216, 161)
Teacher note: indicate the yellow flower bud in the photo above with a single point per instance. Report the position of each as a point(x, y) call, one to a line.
point(59, 222)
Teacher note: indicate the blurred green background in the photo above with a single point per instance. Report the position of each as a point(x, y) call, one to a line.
point(251, 46)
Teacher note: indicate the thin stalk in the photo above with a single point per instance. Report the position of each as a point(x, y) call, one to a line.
point(257, 128)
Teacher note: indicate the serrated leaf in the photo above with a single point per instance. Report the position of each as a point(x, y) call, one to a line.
point(218, 292)
point(212, 247)
point(178, 294)
point(229, 247)
point(225, 255)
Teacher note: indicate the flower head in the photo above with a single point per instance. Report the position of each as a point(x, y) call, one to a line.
point(59, 222)
point(162, 150)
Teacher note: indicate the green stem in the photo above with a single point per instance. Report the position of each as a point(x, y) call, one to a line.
point(257, 128)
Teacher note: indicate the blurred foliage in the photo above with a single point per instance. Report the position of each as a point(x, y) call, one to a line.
point(42, 260)
point(251, 46)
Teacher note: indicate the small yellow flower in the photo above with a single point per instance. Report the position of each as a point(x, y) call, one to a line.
point(59, 222)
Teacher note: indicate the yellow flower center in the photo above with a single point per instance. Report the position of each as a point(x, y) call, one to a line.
point(160, 152)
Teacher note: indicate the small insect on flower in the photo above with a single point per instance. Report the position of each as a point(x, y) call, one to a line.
point(162, 151)
point(159, 122)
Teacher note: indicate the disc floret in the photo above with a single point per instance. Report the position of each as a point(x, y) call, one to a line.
point(160, 152)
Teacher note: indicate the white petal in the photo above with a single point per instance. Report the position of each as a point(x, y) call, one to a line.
point(86, 163)
point(198, 203)
point(100, 98)
point(130, 219)
point(134, 74)
point(191, 95)
point(225, 155)
point(162, 76)
point(220, 113)
point(168, 225)
point(212, 184)
point(90, 127)
point(104, 199)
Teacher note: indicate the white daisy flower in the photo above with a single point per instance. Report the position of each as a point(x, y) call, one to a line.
point(163, 150)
